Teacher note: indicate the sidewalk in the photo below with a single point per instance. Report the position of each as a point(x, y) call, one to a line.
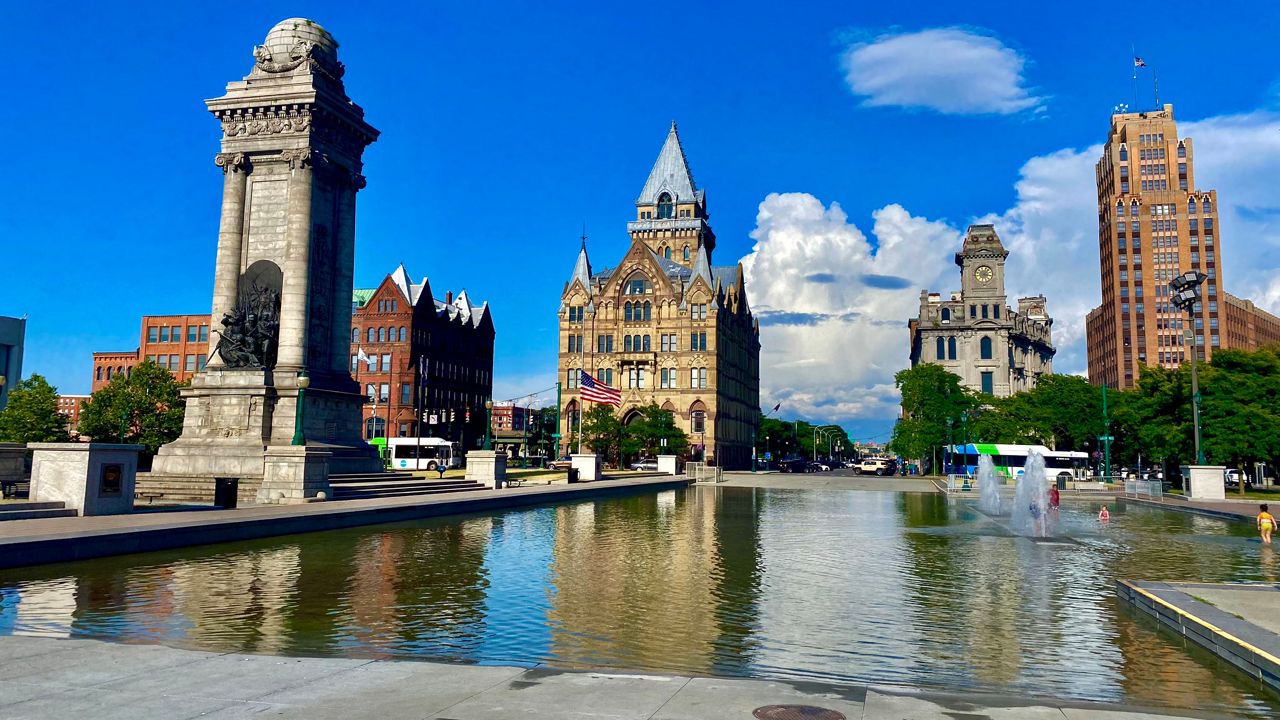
point(61, 678)
point(1245, 510)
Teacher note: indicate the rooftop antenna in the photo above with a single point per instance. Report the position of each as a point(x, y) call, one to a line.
point(1156, 83)
point(584, 236)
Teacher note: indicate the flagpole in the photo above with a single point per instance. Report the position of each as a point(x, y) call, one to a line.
point(1133, 52)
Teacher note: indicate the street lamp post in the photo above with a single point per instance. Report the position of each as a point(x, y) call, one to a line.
point(964, 421)
point(946, 457)
point(1186, 295)
point(299, 435)
point(488, 421)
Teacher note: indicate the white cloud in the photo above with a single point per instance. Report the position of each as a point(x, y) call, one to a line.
point(951, 70)
point(833, 309)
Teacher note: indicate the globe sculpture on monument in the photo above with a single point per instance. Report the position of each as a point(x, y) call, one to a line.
point(276, 408)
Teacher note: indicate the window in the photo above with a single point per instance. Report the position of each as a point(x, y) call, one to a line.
point(1124, 153)
point(984, 312)
point(192, 333)
point(402, 335)
point(164, 333)
point(646, 343)
point(973, 312)
point(405, 390)
point(946, 314)
point(648, 308)
point(571, 378)
point(1182, 150)
point(355, 363)
point(372, 335)
point(608, 376)
point(173, 364)
point(152, 334)
point(355, 334)
point(626, 312)
point(99, 373)
point(668, 253)
point(942, 349)
point(200, 361)
point(698, 341)
point(686, 253)
point(985, 347)
point(951, 348)
point(988, 383)
point(576, 313)
point(175, 334)
point(698, 311)
point(1206, 207)
point(637, 285)
point(386, 362)
point(382, 334)
point(384, 392)
point(995, 311)
point(190, 363)
point(640, 378)
point(664, 378)
point(665, 206)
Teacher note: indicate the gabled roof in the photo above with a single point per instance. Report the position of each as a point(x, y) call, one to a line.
point(582, 269)
point(702, 266)
point(670, 174)
point(412, 291)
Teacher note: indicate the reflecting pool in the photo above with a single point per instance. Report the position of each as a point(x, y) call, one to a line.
point(824, 584)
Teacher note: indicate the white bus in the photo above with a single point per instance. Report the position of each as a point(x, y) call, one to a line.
point(1009, 460)
point(428, 453)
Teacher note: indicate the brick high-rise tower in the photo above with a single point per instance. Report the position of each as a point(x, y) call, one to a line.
point(1153, 225)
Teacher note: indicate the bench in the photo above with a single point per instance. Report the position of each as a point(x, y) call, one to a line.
point(515, 482)
point(150, 496)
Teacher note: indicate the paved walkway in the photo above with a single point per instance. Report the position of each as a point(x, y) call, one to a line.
point(1227, 509)
point(44, 540)
point(62, 678)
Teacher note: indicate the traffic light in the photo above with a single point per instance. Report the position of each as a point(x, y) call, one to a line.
point(453, 415)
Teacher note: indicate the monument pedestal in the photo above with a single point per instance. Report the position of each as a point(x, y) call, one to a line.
point(669, 464)
point(587, 465)
point(1207, 482)
point(294, 474)
point(488, 467)
point(90, 478)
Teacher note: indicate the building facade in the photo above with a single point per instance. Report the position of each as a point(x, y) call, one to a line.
point(665, 325)
point(13, 333)
point(1154, 224)
point(399, 322)
point(177, 343)
point(69, 407)
point(974, 334)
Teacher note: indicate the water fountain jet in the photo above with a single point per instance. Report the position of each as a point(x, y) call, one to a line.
point(988, 486)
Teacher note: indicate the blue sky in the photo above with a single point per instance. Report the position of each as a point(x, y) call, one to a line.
point(508, 126)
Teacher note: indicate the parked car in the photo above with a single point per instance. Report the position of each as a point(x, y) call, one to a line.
point(795, 465)
point(1232, 478)
point(561, 464)
point(875, 466)
point(815, 466)
point(645, 464)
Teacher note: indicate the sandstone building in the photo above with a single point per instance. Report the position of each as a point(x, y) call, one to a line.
point(1153, 225)
point(974, 334)
point(666, 326)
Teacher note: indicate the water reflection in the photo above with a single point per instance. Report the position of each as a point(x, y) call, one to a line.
point(880, 587)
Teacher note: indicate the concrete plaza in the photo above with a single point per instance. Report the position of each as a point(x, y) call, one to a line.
point(60, 678)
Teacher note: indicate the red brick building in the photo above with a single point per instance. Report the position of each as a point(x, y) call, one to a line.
point(69, 407)
point(399, 322)
point(178, 343)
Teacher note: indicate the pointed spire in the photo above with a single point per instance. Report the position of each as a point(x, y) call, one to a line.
point(702, 266)
point(670, 174)
point(582, 268)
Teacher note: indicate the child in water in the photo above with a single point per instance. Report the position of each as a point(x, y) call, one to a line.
point(1103, 515)
point(1266, 523)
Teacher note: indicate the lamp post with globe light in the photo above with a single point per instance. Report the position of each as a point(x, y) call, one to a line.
point(1186, 295)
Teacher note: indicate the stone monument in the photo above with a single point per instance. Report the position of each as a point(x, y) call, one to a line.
point(292, 143)
point(90, 478)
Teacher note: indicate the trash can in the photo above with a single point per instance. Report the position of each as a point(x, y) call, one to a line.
point(573, 475)
point(225, 490)
point(1062, 481)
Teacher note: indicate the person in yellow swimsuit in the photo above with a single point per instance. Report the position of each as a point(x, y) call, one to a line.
point(1266, 523)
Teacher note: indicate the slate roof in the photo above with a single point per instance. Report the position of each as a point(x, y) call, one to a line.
point(671, 174)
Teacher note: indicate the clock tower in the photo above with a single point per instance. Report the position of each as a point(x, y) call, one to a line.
point(981, 262)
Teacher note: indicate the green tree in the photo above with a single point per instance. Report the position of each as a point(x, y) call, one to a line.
point(930, 395)
point(1239, 418)
point(32, 414)
point(600, 431)
point(141, 407)
point(645, 434)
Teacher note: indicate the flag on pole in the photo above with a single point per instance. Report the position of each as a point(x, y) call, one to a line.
point(597, 392)
point(1139, 62)
point(361, 357)
point(775, 407)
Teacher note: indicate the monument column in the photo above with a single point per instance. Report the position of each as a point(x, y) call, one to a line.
point(297, 264)
point(227, 267)
point(344, 274)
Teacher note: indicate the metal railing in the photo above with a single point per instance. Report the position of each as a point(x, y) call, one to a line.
point(703, 473)
point(1153, 489)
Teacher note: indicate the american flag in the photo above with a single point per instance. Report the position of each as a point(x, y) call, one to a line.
point(597, 392)
point(1139, 62)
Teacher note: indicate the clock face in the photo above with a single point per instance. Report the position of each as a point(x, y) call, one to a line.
point(983, 274)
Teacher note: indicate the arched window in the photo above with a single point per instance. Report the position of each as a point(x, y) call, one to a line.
point(355, 334)
point(985, 348)
point(1133, 208)
point(402, 334)
point(382, 334)
point(668, 253)
point(942, 349)
point(665, 207)
point(371, 334)
point(646, 343)
point(626, 343)
point(636, 285)
point(951, 348)
point(1191, 206)
point(1205, 206)
point(1124, 153)
point(626, 311)
point(108, 373)
point(946, 314)
point(686, 253)
point(647, 310)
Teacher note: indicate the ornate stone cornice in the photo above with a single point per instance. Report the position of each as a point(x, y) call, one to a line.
point(357, 181)
point(266, 121)
point(303, 157)
point(230, 162)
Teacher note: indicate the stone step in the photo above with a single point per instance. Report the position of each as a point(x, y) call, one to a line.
point(440, 484)
point(341, 493)
point(33, 513)
point(31, 505)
